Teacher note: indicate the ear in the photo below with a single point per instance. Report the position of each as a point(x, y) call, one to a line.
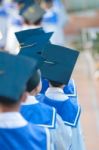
point(39, 87)
point(24, 97)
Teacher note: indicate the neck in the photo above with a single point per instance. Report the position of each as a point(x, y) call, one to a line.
point(9, 108)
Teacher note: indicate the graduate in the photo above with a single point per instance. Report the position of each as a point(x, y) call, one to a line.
point(32, 15)
point(55, 19)
point(32, 110)
point(57, 69)
point(44, 115)
point(15, 131)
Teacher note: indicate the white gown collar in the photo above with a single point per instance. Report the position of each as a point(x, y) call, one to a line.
point(56, 94)
point(12, 120)
point(30, 100)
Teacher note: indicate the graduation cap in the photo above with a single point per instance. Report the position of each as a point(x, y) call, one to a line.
point(59, 63)
point(31, 12)
point(35, 45)
point(23, 35)
point(15, 71)
point(19, 1)
point(24, 4)
point(48, 1)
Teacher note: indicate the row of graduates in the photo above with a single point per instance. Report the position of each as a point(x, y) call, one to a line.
point(56, 111)
point(54, 106)
point(49, 18)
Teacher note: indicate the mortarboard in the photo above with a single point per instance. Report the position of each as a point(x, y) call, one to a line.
point(59, 63)
point(15, 71)
point(24, 4)
point(35, 45)
point(19, 1)
point(23, 35)
point(48, 1)
point(31, 11)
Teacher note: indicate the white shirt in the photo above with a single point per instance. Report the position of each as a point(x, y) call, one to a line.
point(56, 94)
point(12, 120)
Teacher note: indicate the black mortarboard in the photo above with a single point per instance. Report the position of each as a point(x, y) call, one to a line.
point(32, 12)
point(34, 46)
point(23, 35)
point(59, 63)
point(15, 71)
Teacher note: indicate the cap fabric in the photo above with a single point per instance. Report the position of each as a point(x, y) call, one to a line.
point(23, 35)
point(15, 71)
point(34, 46)
point(59, 63)
point(32, 12)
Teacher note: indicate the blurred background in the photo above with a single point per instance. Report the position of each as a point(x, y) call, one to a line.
point(77, 27)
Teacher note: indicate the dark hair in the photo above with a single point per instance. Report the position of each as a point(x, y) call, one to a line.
point(33, 81)
point(48, 1)
point(55, 84)
point(26, 21)
point(38, 22)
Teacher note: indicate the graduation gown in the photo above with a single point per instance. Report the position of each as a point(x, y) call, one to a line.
point(69, 112)
point(22, 137)
point(39, 113)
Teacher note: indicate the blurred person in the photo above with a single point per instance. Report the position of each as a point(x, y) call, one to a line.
point(3, 25)
point(34, 111)
point(15, 131)
point(32, 17)
point(43, 115)
point(57, 70)
point(54, 20)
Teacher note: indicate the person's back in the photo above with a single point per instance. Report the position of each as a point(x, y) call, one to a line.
point(69, 111)
point(34, 112)
point(15, 131)
point(23, 135)
point(43, 115)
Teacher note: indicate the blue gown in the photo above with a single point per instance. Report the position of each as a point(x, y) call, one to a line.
point(39, 114)
point(69, 111)
point(72, 107)
point(28, 137)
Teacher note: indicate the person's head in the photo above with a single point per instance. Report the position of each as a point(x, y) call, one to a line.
point(35, 23)
point(56, 84)
point(47, 4)
point(32, 13)
point(8, 104)
point(34, 84)
point(15, 71)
